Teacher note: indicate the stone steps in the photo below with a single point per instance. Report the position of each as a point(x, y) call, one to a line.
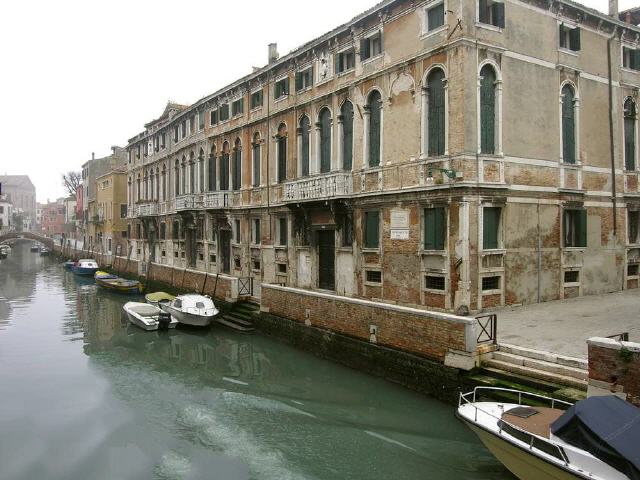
point(550, 367)
point(545, 356)
point(240, 317)
point(537, 373)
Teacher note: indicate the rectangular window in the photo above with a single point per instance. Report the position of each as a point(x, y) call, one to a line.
point(434, 282)
point(569, 37)
point(490, 283)
point(372, 229)
point(175, 134)
point(631, 58)
point(256, 99)
point(373, 276)
point(212, 258)
point(571, 276)
point(281, 88)
point(237, 107)
point(435, 227)
point(184, 128)
point(491, 12)
point(163, 140)
point(236, 230)
point(213, 117)
point(256, 231)
point(282, 268)
point(200, 120)
point(371, 46)
point(632, 270)
point(123, 210)
point(575, 228)
point(256, 264)
point(282, 232)
point(346, 60)
point(224, 112)
point(491, 227)
point(633, 217)
point(435, 17)
point(236, 263)
point(304, 79)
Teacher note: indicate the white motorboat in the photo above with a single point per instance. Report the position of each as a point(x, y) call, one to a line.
point(148, 317)
point(595, 439)
point(191, 309)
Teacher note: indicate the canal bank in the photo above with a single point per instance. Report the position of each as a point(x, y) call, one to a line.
point(191, 404)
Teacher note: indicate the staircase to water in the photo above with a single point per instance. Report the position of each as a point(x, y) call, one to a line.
point(240, 317)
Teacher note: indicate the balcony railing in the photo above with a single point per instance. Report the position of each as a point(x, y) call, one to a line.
point(323, 186)
point(147, 209)
point(189, 202)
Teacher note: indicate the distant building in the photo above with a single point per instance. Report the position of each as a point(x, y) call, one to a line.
point(53, 214)
point(5, 214)
point(70, 216)
point(38, 225)
point(21, 192)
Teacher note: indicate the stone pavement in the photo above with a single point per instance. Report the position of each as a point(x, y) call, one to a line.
point(563, 326)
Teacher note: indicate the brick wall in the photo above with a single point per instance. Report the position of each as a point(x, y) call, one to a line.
point(197, 281)
point(429, 334)
point(614, 367)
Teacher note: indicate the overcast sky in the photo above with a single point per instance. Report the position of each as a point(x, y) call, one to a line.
point(80, 76)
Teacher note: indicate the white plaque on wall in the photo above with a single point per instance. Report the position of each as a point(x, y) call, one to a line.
point(399, 218)
point(399, 234)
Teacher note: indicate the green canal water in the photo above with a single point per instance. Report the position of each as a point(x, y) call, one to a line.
point(84, 395)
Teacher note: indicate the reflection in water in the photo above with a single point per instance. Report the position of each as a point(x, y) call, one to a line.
point(90, 396)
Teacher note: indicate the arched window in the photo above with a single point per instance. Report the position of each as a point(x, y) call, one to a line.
point(146, 185)
point(568, 125)
point(346, 118)
point(303, 139)
point(629, 134)
point(374, 110)
point(201, 171)
point(324, 120)
point(176, 178)
point(183, 186)
point(212, 169)
point(281, 143)
point(224, 167)
point(138, 192)
point(487, 110)
point(436, 128)
point(255, 146)
point(164, 183)
point(237, 165)
point(152, 185)
point(192, 172)
point(157, 197)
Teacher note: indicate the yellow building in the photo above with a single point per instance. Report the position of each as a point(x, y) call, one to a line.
point(109, 213)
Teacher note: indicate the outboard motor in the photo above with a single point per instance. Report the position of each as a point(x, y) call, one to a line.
point(164, 319)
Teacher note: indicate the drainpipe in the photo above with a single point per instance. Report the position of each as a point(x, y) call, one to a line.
point(539, 259)
point(611, 146)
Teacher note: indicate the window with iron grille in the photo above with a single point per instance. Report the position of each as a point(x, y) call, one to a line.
point(434, 282)
point(490, 283)
point(632, 270)
point(374, 276)
point(571, 276)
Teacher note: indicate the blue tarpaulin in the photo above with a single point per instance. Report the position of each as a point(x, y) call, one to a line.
point(608, 428)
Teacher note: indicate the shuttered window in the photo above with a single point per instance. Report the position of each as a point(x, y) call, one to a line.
point(304, 139)
point(629, 134)
point(304, 79)
point(345, 60)
point(569, 37)
point(237, 166)
point(372, 229)
point(347, 135)
point(212, 172)
point(256, 99)
point(325, 141)
point(491, 12)
point(282, 159)
point(575, 228)
point(281, 88)
point(434, 228)
point(283, 233)
point(213, 117)
point(490, 227)
point(487, 110)
point(568, 125)
point(435, 17)
point(224, 171)
point(631, 58)
point(375, 126)
point(435, 114)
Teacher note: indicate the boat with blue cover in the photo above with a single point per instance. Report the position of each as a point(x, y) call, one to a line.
point(85, 266)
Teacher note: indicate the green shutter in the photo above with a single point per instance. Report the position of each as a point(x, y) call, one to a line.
point(304, 126)
point(487, 110)
point(498, 14)
point(434, 228)
point(372, 227)
point(347, 136)
point(435, 113)
point(574, 39)
point(568, 126)
point(581, 228)
point(490, 227)
point(325, 141)
point(256, 165)
point(483, 11)
point(298, 81)
point(374, 128)
point(629, 135)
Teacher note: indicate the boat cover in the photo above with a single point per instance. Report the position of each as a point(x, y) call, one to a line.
point(159, 297)
point(144, 310)
point(608, 428)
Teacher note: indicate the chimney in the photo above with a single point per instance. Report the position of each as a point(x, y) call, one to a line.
point(613, 8)
point(93, 155)
point(113, 150)
point(273, 52)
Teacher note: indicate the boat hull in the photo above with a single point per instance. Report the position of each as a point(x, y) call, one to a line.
point(84, 270)
point(140, 324)
point(521, 463)
point(129, 289)
point(187, 318)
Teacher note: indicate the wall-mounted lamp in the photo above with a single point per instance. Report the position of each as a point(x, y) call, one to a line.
point(451, 173)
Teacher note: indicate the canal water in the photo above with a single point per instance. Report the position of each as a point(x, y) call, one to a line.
point(84, 395)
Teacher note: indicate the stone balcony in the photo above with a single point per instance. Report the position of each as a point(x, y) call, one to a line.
point(320, 187)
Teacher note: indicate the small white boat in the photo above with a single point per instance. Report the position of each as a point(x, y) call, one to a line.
point(191, 309)
point(148, 317)
point(158, 297)
point(595, 439)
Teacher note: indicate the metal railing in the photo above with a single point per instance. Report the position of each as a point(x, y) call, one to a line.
point(322, 186)
point(488, 328)
point(530, 439)
point(245, 286)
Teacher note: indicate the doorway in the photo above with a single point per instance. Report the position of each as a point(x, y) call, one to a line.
point(225, 250)
point(327, 259)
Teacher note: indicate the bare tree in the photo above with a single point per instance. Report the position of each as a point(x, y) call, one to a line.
point(71, 181)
